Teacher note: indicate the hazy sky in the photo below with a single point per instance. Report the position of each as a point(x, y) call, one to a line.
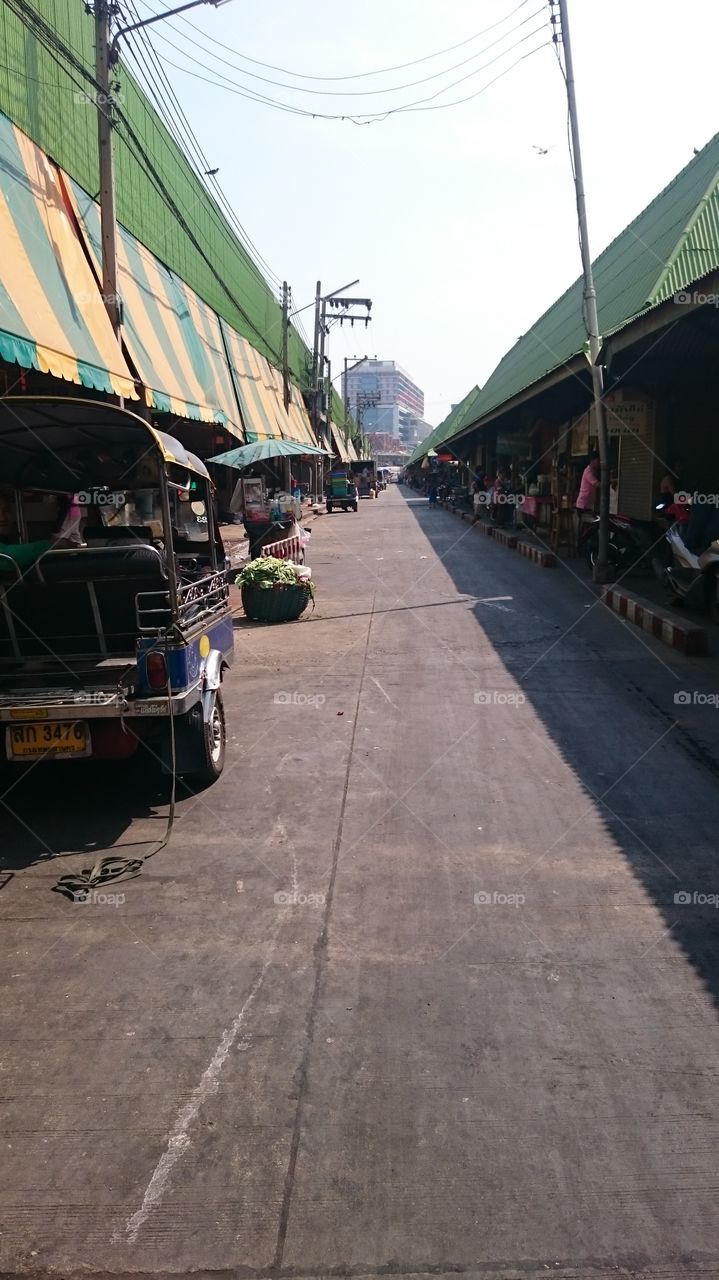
point(458, 229)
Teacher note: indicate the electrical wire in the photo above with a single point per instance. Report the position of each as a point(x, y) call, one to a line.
point(49, 39)
point(360, 75)
point(354, 93)
point(167, 115)
point(361, 118)
point(189, 143)
point(52, 43)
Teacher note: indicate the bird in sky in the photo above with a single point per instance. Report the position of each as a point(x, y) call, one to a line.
point(541, 151)
point(210, 173)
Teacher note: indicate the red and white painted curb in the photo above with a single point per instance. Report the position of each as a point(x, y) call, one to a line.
point(688, 637)
point(537, 555)
point(505, 538)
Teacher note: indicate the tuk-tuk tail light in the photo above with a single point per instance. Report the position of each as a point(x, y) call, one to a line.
point(156, 671)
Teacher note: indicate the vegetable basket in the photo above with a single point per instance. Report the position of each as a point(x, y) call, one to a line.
point(283, 602)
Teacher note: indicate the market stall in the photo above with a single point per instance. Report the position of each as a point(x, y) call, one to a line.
point(265, 496)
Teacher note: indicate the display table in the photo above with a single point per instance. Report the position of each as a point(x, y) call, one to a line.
point(536, 508)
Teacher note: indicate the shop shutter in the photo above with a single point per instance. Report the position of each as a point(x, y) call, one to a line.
point(636, 474)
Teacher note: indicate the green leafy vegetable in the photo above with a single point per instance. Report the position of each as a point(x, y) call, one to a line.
point(268, 572)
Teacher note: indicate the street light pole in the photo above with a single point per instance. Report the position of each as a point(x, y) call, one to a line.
point(591, 319)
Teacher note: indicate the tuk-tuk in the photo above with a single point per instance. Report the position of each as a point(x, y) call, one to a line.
point(115, 626)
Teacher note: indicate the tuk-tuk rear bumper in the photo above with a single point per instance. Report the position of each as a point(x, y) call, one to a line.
point(31, 709)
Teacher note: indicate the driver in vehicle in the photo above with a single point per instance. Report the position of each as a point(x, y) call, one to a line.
point(24, 554)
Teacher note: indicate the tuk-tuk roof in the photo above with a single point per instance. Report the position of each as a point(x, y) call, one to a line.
point(49, 428)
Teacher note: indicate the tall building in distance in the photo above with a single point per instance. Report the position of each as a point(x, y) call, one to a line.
point(381, 395)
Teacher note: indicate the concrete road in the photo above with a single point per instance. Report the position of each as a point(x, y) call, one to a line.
point(425, 985)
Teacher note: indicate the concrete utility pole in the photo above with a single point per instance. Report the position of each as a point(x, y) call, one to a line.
point(285, 341)
point(108, 220)
point(316, 362)
point(321, 331)
point(106, 54)
point(591, 319)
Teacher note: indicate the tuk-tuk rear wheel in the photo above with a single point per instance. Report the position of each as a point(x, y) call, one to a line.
point(212, 747)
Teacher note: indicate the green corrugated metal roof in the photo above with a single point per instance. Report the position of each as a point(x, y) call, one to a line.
point(456, 418)
point(41, 96)
point(672, 243)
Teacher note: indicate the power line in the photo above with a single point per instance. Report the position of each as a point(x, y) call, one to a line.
point(360, 75)
point(353, 93)
point(366, 117)
point(49, 39)
point(191, 143)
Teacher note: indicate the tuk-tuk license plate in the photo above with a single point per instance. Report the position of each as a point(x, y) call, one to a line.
point(57, 738)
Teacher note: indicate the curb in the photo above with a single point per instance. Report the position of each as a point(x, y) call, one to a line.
point(505, 539)
point(546, 559)
point(687, 637)
point(487, 529)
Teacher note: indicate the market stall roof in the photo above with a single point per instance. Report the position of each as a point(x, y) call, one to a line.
point(51, 314)
point(261, 450)
point(173, 338)
point(457, 416)
point(669, 245)
point(260, 391)
point(340, 444)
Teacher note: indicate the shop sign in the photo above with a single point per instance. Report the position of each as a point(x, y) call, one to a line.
point(517, 443)
point(628, 414)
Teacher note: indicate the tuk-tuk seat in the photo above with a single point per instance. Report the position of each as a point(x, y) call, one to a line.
point(79, 602)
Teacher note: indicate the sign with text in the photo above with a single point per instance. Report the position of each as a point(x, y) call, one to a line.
point(628, 413)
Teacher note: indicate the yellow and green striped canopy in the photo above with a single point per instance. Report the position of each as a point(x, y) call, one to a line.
point(173, 338)
point(52, 317)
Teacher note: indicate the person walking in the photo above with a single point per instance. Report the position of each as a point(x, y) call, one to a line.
point(432, 493)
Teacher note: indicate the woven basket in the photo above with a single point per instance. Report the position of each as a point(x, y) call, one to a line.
point(284, 602)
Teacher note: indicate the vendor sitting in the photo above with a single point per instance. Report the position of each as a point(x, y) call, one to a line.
point(24, 554)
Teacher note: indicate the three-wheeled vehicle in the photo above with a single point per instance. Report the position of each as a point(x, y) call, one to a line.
point(340, 492)
point(115, 626)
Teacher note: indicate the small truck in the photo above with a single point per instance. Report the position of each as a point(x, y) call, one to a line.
point(365, 477)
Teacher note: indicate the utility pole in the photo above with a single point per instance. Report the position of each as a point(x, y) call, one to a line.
point(316, 362)
point(108, 221)
point(285, 340)
point(321, 331)
point(106, 54)
point(591, 319)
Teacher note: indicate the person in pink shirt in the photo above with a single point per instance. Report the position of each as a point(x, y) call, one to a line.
point(588, 490)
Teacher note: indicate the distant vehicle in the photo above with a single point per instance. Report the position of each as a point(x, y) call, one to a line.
point(364, 474)
point(341, 493)
point(383, 477)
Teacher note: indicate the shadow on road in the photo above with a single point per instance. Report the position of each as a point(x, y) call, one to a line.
point(60, 808)
point(609, 709)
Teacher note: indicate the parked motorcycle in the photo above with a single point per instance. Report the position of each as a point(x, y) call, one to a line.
point(693, 578)
point(629, 541)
